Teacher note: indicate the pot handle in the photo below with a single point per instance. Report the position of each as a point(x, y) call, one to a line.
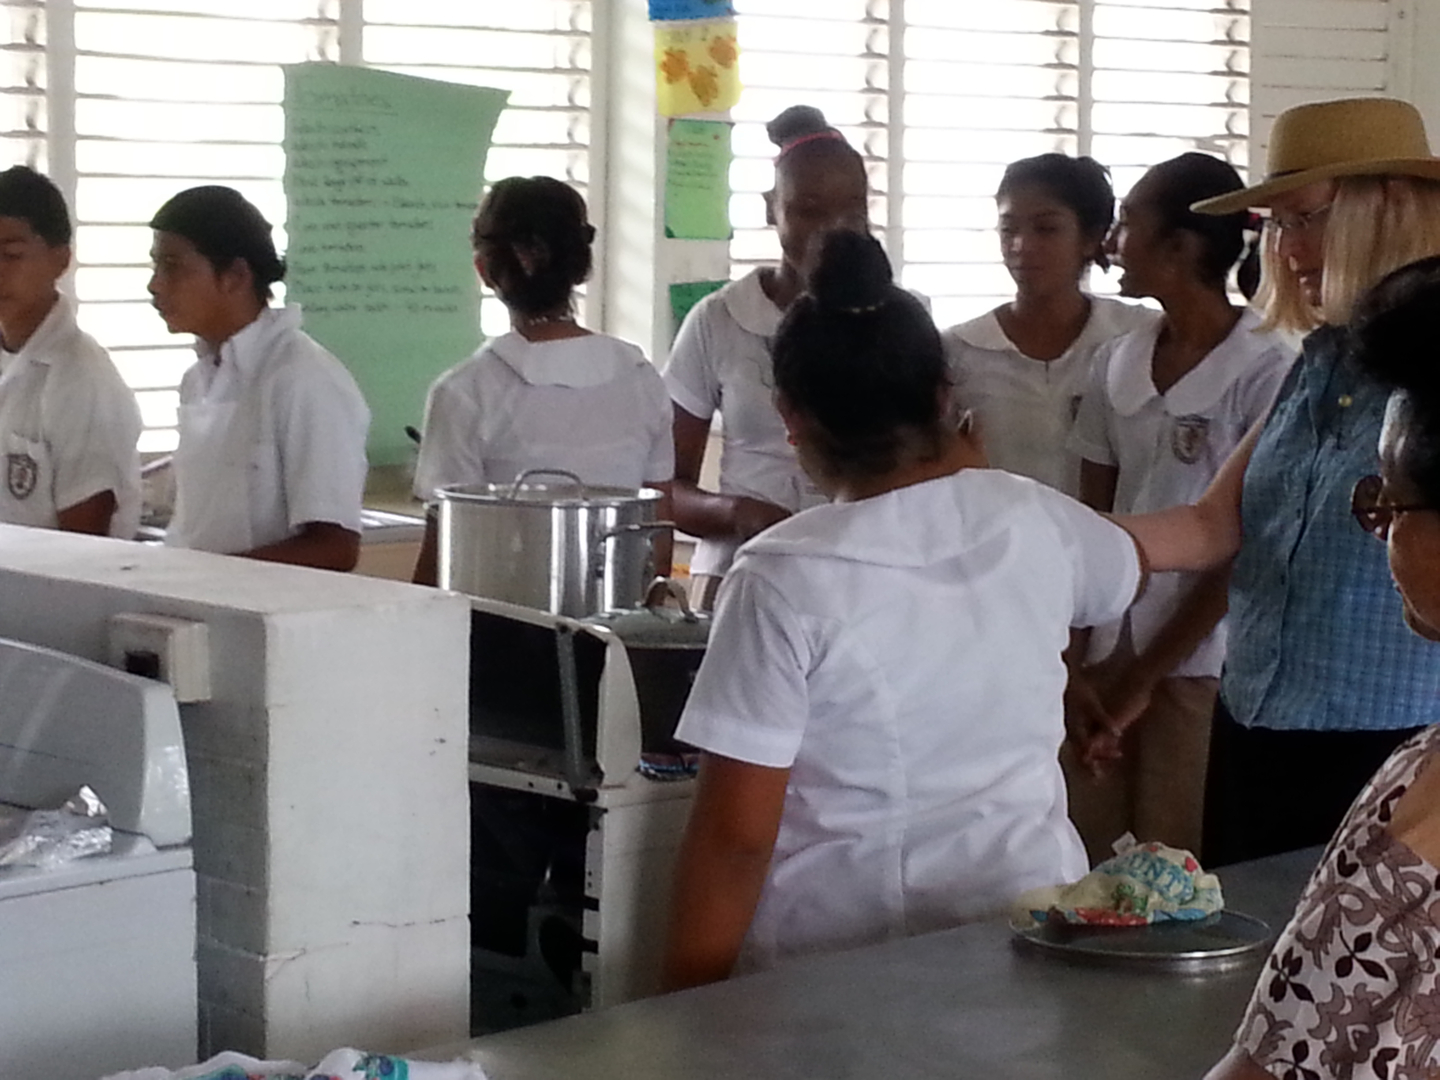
point(520, 480)
point(597, 561)
point(663, 587)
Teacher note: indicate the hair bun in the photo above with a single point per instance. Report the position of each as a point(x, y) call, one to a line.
point(794, 122)
point(853, 273)
point(1394, 329)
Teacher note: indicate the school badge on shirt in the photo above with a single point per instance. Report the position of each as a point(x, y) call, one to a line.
point(1188, 437)
point(22, 472)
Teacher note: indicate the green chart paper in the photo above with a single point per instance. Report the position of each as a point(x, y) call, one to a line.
point(382, 174)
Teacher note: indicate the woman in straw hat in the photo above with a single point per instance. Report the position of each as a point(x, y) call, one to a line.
point(1352, 984)
point(1321, 681)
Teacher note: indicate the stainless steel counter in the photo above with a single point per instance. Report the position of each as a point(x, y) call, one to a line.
point(957, 1004)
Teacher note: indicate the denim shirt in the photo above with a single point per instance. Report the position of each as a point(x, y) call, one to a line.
point(1317, 639)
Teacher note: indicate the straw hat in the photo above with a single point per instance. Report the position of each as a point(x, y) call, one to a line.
point(1351, 137)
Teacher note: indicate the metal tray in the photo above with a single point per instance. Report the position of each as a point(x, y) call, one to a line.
point(1219, 942)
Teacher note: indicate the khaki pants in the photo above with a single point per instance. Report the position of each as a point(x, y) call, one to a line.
point(1157, 791)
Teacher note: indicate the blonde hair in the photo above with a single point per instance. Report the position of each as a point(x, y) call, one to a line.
point(1376, 224)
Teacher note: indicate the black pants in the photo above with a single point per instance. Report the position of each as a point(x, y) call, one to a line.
point(1269, 791)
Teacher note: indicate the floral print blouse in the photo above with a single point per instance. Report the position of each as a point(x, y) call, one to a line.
point(1352, 988)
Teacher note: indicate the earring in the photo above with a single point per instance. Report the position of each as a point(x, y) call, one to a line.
point(790, 438)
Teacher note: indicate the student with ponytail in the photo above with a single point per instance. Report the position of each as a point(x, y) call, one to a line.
point(1165, 407)
point(1021, 368)
point(721, 359)
point(880, 705)
point(550, 394)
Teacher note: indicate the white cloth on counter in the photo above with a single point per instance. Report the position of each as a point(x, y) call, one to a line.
point(1024, 406)
point(68, 427)
point(721, 363)
point(901, 656)
point(591, 405)
point(272, 437)
point(1167, 448)
point(336, 1065)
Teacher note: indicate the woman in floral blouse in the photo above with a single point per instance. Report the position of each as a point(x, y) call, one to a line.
point(1352, 988)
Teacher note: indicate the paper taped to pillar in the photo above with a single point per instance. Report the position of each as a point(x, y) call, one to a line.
point(690, 9)
point(697, 180)
point(382, 174)
point(697, 67)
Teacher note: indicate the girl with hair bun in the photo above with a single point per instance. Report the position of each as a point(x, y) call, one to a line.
point(271, 460)
point(721, 359)
point(550, 394)
point(1021, 368)
point(879, 709)
point(1165, 406)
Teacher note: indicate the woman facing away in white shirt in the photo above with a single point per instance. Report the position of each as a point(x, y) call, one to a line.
point(1022, 368)
point(721, 359)
point(550, 394)
point(1165, 407)
point(880, 706)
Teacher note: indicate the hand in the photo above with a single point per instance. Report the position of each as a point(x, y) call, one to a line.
point(753, 516)
point(1127, 697)
point(1087, 723)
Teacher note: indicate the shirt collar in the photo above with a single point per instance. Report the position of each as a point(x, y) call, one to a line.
point(244, 349)
point(748, 305)
point(59, 320)
point(1131, 382)
point(984, 333)
point(1107, 319)
point(589, 360)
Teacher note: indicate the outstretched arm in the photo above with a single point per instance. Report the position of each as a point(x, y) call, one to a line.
point(1203, 536)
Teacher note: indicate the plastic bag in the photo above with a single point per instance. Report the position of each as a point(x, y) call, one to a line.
point(47, 839)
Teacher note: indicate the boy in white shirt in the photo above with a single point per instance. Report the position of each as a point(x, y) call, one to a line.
point(271, 462)
point(68, 423)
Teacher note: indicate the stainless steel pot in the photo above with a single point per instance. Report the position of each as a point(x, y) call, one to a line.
point(665, 646)
point(569, 549)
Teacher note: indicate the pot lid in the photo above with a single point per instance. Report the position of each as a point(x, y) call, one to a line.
point(572, 491)
point(656, 625)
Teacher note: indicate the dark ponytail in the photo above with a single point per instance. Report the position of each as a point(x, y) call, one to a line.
point(533, 236)
point(862, 359)
point(1080, 184)
point(1174, 186)
point(1393, 333)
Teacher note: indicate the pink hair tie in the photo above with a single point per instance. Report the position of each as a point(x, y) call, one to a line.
point(829, 134)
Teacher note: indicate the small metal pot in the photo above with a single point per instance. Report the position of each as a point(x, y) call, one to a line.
point(569, 549)
point(664, 646)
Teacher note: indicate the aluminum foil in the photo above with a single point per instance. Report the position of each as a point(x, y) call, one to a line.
point(47, 839)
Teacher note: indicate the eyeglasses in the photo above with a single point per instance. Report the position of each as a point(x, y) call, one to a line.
point(1296, 224)
point(1371, 514)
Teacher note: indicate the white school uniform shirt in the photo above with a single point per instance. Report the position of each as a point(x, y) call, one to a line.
point(1168, 447)
point(272, 437)
point(901, 657)
point(1026, 407)
point(721, 363)
point(590, 405)
point(68, 427)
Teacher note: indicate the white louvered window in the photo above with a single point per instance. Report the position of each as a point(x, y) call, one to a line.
point(125, 102)
point(941, 95)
